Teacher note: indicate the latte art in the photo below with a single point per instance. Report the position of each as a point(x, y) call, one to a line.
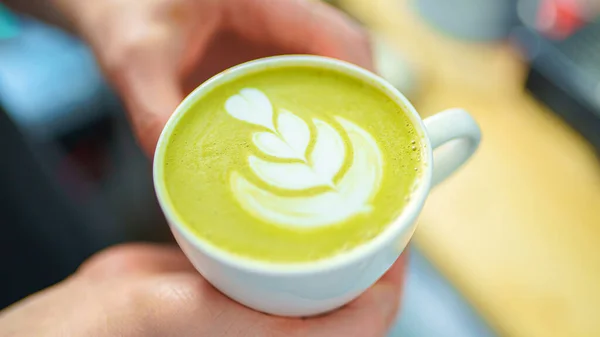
point(291, 164)
point(287, 162)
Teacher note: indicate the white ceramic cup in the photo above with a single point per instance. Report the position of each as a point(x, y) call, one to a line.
point(311, 288)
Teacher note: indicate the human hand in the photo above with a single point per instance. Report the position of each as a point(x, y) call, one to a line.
point(155, 51)
point(151, 290)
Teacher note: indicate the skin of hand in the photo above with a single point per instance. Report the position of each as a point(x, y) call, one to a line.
point(150, 290)
point(155, 51)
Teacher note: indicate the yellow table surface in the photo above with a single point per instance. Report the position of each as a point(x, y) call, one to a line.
point(518, 229)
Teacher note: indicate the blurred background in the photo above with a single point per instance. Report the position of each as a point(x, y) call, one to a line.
point(507, 247)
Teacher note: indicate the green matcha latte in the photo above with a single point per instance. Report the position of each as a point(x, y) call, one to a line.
point(291, 164)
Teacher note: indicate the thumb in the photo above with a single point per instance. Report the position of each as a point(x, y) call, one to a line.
point(372, 314)
point(301, 26)
point(151, 94)
point(148, 83)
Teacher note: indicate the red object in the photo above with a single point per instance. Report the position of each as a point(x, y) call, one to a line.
point(560, 18)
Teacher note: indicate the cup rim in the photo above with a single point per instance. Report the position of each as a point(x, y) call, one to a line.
point(395, 229)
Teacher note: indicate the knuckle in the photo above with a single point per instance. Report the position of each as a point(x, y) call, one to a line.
point(186, 289)
point(173, 301)
point(175, 293)
point(125, 50)
point(116, 259)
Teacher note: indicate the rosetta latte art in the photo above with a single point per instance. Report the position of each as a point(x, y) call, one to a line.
point(286, 138)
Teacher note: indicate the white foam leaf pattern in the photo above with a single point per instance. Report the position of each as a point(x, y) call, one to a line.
point(349, 196)
point(354, 191)
point(292, 176)
point(273, 145)
point(295, 132)
point(252, 106)
point(328, 155)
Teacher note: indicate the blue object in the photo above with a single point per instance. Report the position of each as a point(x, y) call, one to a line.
point(49, 81)
point(9, 25)
point(476, 20)
point(431, 306)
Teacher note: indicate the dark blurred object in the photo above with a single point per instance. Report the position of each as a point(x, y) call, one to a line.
point(44, 236)
point(479, 20)
point(565, 73)
point(72, 179)
point(54, 92)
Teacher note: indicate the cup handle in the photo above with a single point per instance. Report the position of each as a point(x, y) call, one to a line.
point(458, 133)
